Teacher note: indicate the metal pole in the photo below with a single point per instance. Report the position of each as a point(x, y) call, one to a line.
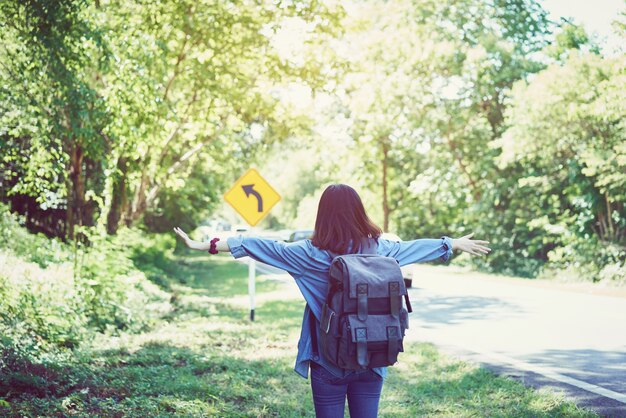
point(251, 277)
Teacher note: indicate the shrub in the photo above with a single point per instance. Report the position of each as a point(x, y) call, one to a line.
point(590, 260)
point(48, 307)
point(118, 294)
point(41, 309)
point(32, 247)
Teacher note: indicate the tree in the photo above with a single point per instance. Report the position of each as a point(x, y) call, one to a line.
point(191, 75)
point(122, 102)
point(566, 139)
point(52, 114)
point(441, 89)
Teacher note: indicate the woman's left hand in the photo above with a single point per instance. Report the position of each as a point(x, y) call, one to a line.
point(475, 247)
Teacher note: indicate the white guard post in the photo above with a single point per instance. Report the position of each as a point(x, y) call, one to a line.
point(251, 280)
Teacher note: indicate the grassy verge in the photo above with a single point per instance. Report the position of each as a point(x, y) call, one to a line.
point(206, 359)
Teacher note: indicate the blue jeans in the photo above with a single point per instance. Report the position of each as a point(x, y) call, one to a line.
point(329, 393)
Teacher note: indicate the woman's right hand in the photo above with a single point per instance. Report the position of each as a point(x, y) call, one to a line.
point(188, 241)
point(475, 247)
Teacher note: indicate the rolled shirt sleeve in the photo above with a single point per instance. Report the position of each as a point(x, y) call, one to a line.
point(291, 257)
point(416, 251)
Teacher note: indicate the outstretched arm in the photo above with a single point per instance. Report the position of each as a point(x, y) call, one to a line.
point(222, 244)
point(426, 249)
point(292, 258)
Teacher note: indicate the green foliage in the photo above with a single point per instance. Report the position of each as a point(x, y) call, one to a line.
point(486, 117)
point(36, 248)
point(186, 202)
point(483, 121)
point(151, 254)
point(119, 296)
point(143, 112)
point(42, 308)
point(49, 103)
point(565, 154)
point(571, 37)
point(48, 306)
point(112, 109)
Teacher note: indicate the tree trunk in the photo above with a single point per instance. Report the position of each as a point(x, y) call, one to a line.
point(609, 217)
point(76, 191)
point(139, 203)
point(456, 154)
point(118, 199)
point(385, 146)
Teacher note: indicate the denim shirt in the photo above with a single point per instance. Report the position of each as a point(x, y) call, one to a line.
point(309, 266)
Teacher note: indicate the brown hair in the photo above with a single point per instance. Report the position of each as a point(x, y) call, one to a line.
point(341, 219)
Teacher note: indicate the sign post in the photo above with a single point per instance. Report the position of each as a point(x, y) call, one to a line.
point(251, 283)
point(252, 197)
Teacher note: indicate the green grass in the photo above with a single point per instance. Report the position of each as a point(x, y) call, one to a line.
point(206, 359)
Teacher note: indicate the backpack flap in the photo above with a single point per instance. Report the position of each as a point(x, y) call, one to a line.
point(376, 271)
point(374, 277)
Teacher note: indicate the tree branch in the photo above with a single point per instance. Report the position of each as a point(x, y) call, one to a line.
point(180, 58)
point(166, 148)
point(453, 146)
point(185, 157)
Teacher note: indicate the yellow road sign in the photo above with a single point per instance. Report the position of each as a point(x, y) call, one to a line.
point(252, 197)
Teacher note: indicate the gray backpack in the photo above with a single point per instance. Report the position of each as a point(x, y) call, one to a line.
point(363, 319)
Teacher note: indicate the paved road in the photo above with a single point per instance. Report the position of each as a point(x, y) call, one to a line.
point(543, 335)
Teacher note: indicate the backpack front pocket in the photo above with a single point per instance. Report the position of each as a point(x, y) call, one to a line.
point(345, 348)
point(376, 341)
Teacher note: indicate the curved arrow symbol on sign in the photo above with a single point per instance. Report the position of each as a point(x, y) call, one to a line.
point(249, 189)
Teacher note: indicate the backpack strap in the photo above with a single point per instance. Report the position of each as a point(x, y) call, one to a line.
point(368, 246)
point(394, 299)
point(392, 344)
point(313, 329)
point(361, 294)
point(409, 308)
point(324, 328)
point(361, 347)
